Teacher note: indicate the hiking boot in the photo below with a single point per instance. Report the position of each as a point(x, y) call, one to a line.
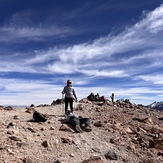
point(78, 129)
point(88, 129)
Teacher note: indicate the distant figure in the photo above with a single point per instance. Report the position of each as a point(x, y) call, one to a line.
point(69, 92)
point(112, 97)
point(77, 122)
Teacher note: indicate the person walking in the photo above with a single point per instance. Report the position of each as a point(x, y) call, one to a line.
point(69, 92)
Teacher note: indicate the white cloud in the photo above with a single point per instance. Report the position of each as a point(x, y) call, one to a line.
point(154, 21)
point(12, 34)
point(16, 67)
point(110, 73)
point(154, 78)
point(42, 56)
point(62, 68)
point(25, 92)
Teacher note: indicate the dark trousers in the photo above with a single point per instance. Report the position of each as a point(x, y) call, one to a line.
point(79, 121)
point(70, 102)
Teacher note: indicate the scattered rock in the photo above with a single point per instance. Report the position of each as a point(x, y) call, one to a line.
point(2, 147)
point(56, 102)
point(94, 159)
point(1, 107)
point(115, 139)
point(158, 143)
point(11, 124)
point(10, 151)
point(50, 143)
point(66, 128)
point(132, 147)
point(84, 100)
point(111, 155)
point(148, 161)
point(9, 108)
point(160, 118)
point(16, 117)
point(67, 140)
point(58, 161)
point(15, 138)
point(160, 154)
point(21, 144)
point(31, 129)
point(79, 107)
point(128, 130)
point(72, 155)
point(32, 106)
point(98, 124)
point(28, 160)
point(10, 132)
point(140, 119)
point(30, 110)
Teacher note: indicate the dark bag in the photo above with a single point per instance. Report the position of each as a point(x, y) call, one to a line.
point(103, 98)
point(39, 117)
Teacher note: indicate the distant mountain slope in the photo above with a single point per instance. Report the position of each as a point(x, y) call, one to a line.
point(156, 105)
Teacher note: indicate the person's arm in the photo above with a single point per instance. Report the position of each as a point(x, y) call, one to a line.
point(74, 94)
point(63, 92)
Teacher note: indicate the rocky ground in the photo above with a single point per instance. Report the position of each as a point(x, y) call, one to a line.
point(121, 132)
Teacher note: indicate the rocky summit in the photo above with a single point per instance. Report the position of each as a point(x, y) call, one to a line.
point(121, 132)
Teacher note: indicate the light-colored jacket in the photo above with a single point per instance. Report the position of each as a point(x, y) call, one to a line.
point(69, 92)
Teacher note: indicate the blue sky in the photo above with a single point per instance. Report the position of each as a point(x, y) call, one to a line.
point(103, 46)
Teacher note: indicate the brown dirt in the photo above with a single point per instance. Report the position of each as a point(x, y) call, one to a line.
point(131, 132)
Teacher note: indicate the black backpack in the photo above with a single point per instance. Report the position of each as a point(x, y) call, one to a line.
point(39, 117)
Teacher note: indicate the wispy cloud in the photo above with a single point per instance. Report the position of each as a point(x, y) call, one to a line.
point(104, 73)
point(154, 78)
point(135, 54)
point(118, 50)
point(9, 34)
point(109, 52)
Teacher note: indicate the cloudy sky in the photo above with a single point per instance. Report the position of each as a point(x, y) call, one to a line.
point(103, 46)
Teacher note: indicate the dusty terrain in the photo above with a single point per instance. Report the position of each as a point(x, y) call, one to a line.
point(121, 132)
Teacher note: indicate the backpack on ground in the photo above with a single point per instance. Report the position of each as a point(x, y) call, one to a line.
point(103, 98)
point(91, 97)
point(39, 117)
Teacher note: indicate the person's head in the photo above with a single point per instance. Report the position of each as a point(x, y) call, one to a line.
point(69, 83)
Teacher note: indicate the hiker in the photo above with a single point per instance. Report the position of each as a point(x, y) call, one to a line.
point(69, 92)
point(77, 122)
point(112, 97)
